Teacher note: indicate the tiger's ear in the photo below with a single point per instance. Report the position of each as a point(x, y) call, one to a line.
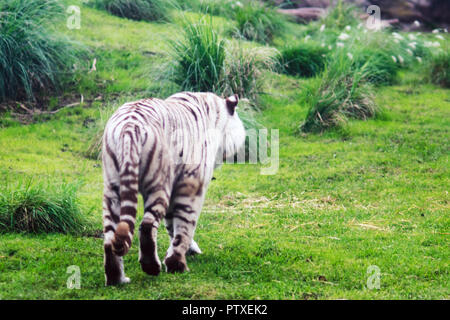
point(232, 102)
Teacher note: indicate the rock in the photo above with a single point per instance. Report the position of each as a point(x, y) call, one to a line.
point(304, 14)
point(432, 12)
point(403, 10)
point(428, 12)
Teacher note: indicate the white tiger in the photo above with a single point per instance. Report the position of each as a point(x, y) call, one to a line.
point(166, 150)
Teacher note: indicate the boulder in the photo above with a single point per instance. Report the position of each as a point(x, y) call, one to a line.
point(304, 14)
point(431, 12)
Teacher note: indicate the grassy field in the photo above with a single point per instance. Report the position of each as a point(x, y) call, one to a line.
point(373, 193)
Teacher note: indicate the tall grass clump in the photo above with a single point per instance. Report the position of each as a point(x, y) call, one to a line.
point(303, 60)
point(213, 7)
point(202, 61)
point(199, 57)
point(437, 69)
point(33, 57)
point(245, 69)
point(147, 10)
point(94, 149)
point(37, 208)
point(380, 68)
point(385, 53)
point(341, 93)
point(258, 22)
point(340, 16)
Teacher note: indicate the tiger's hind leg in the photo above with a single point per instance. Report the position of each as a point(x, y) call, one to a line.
point(114, 269)
point(155, 207)
point(193, 248)
point(185, 210)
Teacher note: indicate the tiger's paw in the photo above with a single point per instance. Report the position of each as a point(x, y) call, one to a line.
point(115, 282)
point(193, 249)
point(150, 266)
point(176, 263)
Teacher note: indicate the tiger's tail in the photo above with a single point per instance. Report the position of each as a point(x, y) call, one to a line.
point(129, 188)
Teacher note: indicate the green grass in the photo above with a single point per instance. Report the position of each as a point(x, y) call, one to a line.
point(304, 60)
point(378, 64)
point(203, 61)
point(33, 57)
point(258, 22)
point(341, 15)
point(372, 192)
point(246, 71)
point(214, 7)
point(342, 92)
point(437, 69)
point(36, 208)
point(147, 10)
point(199, 57)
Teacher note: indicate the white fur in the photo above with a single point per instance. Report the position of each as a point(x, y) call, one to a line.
point(233, 137)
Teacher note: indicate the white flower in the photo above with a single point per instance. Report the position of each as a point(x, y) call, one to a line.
point(436, 31)
point(417, 23)
point(445, 30)
point(397, 36)
point(430, 44)
point(440, 37)
point(348, 28)
point(307, 38)
point(394, 58)
point(412, 45)
point(239, 4)
point(359, 25)
point(322, 27)
point(343, 36)
point(411, 36)
point(323, 45)
point(340, 45)
point(400, 58)
point(419, 59)
point(409, 51)
point(330, 47)
point(349, 55)
point(396, 41)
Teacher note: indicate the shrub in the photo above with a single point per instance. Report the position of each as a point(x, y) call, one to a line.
point(199, 57)
point(214, 7)
point(34, 208)
point(201, 62)
point(378, 64)
point(193, 5)
point(94, 150)
point(244, 69)
point(386, 53)
point(438, 69)
point(147, 10)
point(32, 56)
point(340, 94)
point(340, 16)
point(248, 113)
point(258, 22)
point(420, 50)
point(304, 60)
